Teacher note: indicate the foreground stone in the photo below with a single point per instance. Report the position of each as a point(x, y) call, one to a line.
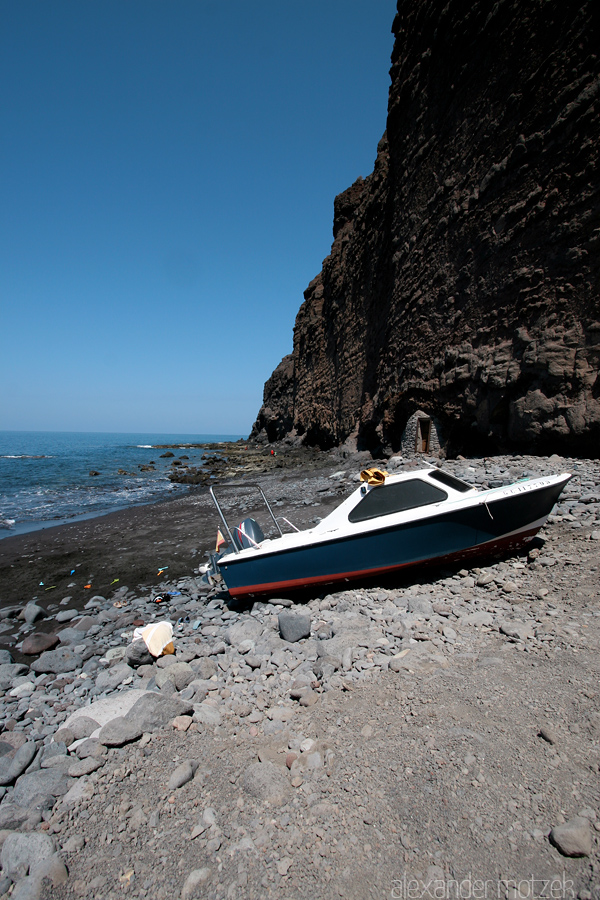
point(194, 883)
point(574, 838)
point(293, 627)
point(266, 781)
point(57, 662)
point(22, 852)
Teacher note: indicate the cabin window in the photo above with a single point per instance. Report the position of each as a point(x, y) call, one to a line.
point(450, 481)
point(393, 498)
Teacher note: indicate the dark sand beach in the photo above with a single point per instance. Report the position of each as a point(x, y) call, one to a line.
point(441, 730)
point(149, 547)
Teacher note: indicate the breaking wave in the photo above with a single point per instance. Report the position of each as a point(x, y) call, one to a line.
point(24, 456)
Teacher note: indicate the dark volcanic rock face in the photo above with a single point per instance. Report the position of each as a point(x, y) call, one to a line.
point(464, 274)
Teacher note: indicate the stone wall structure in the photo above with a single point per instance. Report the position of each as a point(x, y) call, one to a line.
point(421, 436)
point(464, 275)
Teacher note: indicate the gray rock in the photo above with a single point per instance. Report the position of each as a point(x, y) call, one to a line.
point(119, 731)
point(70, 636)
point(548, 734)
point(5, 657)
point(111, 678)
point(65, 615)
point(477, 618)
point(293, 627)
point(180, 674)
point(13, 816)
point(38, 642)
point(74, 844)
point(92, 749)
point(202, 687)
point(266, 781)
point(57, 662)
point(181, 775)
point(24, 852)
point(194, 883)
point(30, 887)
point(485, 578)
point(207, 714)
point(108, 708)
point(85, 623)
point(86, 766)
point(247, 628)
point(574, 838)
point(153, 711)
point(10, 769)
point(163, 662)
point(57, 763)
point(82, 727)
point(115, 654)
point(519, 631)
point(205, 668)
point(67, 736)
point(187, 693)
point(420, 606)
point(32, 613)
point(8, 671)
point(56, 748)
point(137, 654)
point(167, 687)
point(40, 789)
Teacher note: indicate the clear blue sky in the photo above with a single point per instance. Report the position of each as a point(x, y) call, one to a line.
point(168, 175)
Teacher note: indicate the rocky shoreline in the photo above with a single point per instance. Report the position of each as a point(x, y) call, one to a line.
point(358, 744)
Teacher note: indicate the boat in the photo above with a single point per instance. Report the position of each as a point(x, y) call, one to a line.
point(389, 523)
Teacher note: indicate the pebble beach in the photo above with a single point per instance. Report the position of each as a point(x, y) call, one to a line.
point(384, 740)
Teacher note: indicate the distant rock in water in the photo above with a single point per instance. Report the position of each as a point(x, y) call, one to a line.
point(463, 279)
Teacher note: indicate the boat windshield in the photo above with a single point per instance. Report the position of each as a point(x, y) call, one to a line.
point(393, 498)
point(450, 481)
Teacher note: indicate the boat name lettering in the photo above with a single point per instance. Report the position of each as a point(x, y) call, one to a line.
point(524, 488)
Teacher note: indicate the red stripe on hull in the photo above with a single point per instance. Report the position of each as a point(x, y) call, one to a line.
point(512, 542)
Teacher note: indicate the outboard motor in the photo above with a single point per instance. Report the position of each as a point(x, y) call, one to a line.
point(248, 534)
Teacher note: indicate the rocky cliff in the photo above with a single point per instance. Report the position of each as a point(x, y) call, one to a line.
point(463, 278)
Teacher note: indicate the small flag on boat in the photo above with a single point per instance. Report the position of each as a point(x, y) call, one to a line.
point(220, 540)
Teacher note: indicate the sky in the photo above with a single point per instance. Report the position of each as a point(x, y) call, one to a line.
point(168, 170)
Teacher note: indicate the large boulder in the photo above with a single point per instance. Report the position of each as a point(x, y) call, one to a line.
point(57, 662)
point(293, 627)
point(40, 789)
point(23, 852)
point(38, 643)
point(153, 711)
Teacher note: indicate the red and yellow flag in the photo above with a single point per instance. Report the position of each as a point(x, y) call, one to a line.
point(220, 540)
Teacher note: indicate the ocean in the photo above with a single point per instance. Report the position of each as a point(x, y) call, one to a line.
point(45, 476)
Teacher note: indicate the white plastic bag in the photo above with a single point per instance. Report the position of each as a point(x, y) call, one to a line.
point(157, 637)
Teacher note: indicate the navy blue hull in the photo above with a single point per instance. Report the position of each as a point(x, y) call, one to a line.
point(505, 523)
